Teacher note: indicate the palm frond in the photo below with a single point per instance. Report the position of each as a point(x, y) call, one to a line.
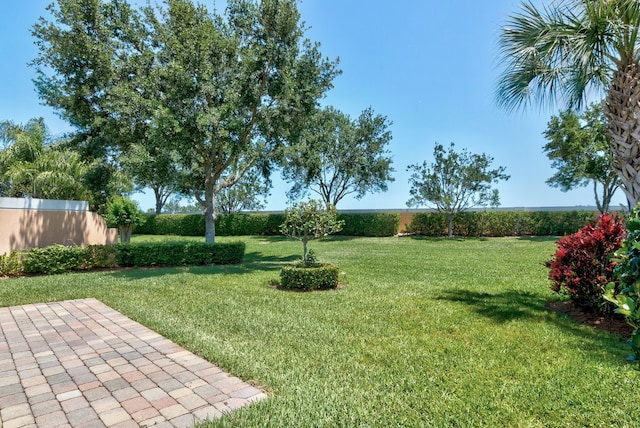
point(562, 53)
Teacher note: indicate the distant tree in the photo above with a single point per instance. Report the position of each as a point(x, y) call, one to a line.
point(579, 148)
point(175, 206)
point(248, 194)
point(156, 167)
point(309, 220)
point(224, 90)
point(337, 156)
point(455, 182)
point(33, 164)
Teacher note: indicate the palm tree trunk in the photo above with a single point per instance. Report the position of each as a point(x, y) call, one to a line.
point(623, 112)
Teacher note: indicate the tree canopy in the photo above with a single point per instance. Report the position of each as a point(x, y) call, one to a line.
point(579, 148)
point(338, 156)
point(455, 182)
point(220, 90)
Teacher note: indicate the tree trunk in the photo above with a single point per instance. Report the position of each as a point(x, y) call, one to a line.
point(125, 230)
point(304, 250)
point(623, 111)
point(209, 208)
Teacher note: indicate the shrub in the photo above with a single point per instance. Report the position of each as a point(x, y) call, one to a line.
point(583, 266)
point(59, 258)
point(10, 264)
point(101, 256)
point(625, 291)
point(502, 223)
point(54, 259)
point(176, 254)
point(369, 224)
point(124, 214)
point(304, 277)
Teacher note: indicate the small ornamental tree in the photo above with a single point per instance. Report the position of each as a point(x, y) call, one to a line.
point(310, 220)
point(455, 182)
point(582, 265)
point(124, 214)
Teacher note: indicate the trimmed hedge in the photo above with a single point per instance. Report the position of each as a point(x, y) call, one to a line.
point(170, 254)
point(356, 224)
point(369, 224)
point(322, 277)
point(60, 258)
point(502, 223)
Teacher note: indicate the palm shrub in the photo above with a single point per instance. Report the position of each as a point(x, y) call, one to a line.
point(582, 265)
point(625, 291)
point(124, 214)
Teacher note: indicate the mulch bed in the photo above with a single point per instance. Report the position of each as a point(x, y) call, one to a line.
point(615, 324)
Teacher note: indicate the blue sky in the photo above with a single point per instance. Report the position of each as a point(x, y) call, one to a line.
point(429, 66)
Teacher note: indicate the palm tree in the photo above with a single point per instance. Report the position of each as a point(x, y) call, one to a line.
point(571, 50)
point(30, 165)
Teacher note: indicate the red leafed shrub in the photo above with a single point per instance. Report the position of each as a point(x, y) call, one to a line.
point(582, 265)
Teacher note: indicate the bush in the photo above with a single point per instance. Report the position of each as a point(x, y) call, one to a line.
point(356, 224)
point(502, 223)
point(59, 258)
point(583, 266)
point(124, 214)
point(625, 291)
point(305, 277)
point(175, 254)
point(54, 259)
point(10, 264)
point(369, 224)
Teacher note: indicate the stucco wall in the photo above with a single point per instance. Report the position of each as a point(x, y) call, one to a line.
point(28, 228)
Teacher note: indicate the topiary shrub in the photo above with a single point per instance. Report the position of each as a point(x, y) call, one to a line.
point(582, 265)
point(307, 277)
point(309, 220)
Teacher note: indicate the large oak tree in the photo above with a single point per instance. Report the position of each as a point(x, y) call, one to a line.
point(222, 90)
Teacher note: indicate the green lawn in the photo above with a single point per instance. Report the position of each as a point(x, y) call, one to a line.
point(427, 332)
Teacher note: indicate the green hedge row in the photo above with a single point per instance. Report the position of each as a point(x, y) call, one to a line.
point(369, 224)
point(365, 224)
point(61, 258)
point(502, 223)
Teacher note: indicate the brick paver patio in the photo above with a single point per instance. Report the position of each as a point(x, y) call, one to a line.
point(81, 364)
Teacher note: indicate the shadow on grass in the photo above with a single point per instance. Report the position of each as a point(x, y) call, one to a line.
point(502, 307)
point(539, 238)
point(513, 305)
point(253, 262)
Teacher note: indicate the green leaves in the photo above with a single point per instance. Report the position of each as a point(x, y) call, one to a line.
point(310, 220)
point(455, 181)
point(202, 96)
point(33, 164)
point(579, 147)
point(627, 271)
point(337, 156)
